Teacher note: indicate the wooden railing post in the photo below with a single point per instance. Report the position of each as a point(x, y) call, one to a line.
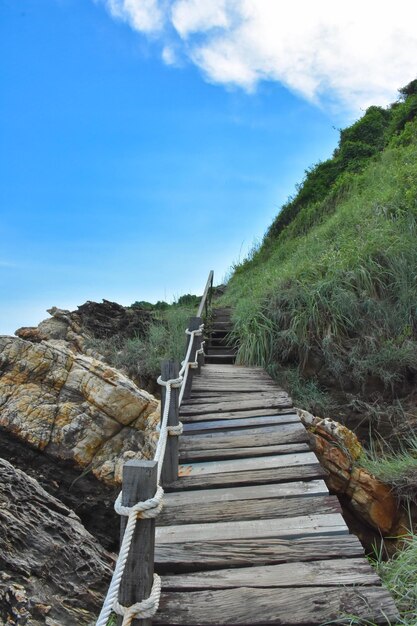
point(170, 370)
point(193, 324)
point(139, 483)
point(201, 357)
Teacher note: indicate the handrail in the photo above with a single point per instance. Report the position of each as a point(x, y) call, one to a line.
point(149, 508)
point(206, 297)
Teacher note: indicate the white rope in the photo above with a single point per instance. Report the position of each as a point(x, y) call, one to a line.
point(150, 508)
point(140, 509)
point(143, 609)
point(175, 431)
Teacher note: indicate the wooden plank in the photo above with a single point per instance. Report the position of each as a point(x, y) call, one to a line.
point(239, 422)
point(272, 402)
point(235, 415)
point(245, 437)
point(302, 574)
point(242, 465)
point(266, 508)
point(243, 397)
point(188, 556)
point(189, 456)
point(278, 490)
point(250, 477)
point(201, 388)
point(294, 607)
point(215, 370)
point(299, 526)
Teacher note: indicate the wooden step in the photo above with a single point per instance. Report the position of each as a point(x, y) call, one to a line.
point(265, 508)
point(298, 526)
point(220, 420)
point(248, 471)
point(275, 401)
point(294, 606)
point(324, 573)
point(206, 554)
point(220, 358)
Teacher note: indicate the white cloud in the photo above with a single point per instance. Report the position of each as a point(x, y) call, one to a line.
point(355, 53)
point(146, 16)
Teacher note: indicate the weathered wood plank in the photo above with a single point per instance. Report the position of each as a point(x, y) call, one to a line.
point(201, 388)
point(301, 574)
point(242, 397)
point(271, 402)
point(241, 465)
point(188, 556)
point(232, 371)
point(248, 510)
point(278, 490)
point(259, 420)
point(211, 368)
point(190, 456)
point(292, 607)
point(299, 526)
point(287, 415)
point(245, 437)
point(250, 477)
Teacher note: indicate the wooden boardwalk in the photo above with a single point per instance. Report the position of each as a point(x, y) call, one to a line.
point(249, 533)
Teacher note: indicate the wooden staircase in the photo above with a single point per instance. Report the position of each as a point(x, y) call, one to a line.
point(219, 347)
point(249, 534)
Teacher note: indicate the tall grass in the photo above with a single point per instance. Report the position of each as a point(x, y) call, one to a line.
point(343, 296)
point(399, 574)
point(140, 357)
point(395, 467)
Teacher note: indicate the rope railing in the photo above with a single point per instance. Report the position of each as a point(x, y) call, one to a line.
point(150, 508)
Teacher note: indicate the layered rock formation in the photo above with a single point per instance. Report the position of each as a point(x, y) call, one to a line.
point(92, 320)
point(370, 500)
point(53, 572)
point(74, 407)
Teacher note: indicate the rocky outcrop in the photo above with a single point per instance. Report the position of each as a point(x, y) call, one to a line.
point(74, 407)
point(338, 449)
point(92, 320)
point(53, 572)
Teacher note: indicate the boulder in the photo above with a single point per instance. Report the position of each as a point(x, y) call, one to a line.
point(53, 572)
point(338, 450)
point(74, 408)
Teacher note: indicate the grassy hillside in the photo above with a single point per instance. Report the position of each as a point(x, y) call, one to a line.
point(328, 301)
point(328, 304)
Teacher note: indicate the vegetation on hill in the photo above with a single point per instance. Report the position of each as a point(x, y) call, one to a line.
point(140, 355)
point(328, 301)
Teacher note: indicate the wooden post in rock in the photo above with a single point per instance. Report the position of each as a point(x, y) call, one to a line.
point(193, 324)
point(170, 370)
point(139, 483)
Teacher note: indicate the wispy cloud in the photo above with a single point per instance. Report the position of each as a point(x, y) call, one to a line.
point(354, 53)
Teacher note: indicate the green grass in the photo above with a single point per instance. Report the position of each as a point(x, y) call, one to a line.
point(341, 299)
point(399, 575)
point(140, 357)
point(397, 468)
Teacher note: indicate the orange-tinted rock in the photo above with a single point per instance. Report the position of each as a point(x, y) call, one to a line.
point(338, 450)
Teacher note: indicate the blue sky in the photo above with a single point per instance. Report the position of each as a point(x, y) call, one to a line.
point(128, 177)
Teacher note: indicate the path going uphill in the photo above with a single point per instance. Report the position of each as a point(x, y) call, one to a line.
point(249, 534)
point(219, 346)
